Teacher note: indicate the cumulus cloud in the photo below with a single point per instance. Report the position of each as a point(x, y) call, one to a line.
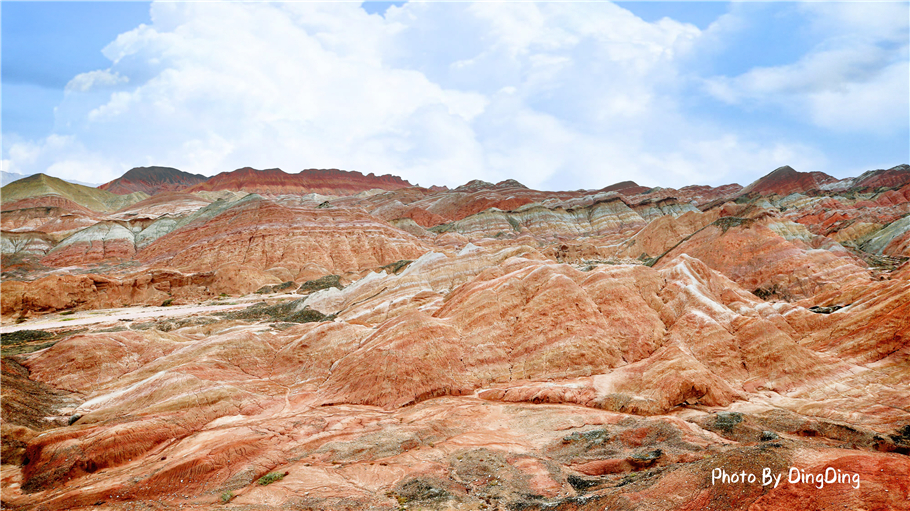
point(556, 95)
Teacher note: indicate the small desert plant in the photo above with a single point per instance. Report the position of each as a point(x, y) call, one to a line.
point(727, 420)
point(14, 338)
point(227, 496)
point(516, 225)
point(270, 478)
point(167, 302)
point(67, 313)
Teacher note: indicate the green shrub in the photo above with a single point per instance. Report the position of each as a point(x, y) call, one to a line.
point(227, 496)
point(727, 420)
point(397, 266)
point(270, 478)
point(320, 283)
point(167, 302)
point(14, 338)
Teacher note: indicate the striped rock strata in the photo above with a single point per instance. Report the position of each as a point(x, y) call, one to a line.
point(553, 383)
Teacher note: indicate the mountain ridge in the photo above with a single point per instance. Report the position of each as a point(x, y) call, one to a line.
point(92, 198)
point(322, 181)
point(152, 180)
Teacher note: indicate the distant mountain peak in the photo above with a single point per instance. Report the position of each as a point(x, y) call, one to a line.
point(323, 181)
point(38, 185)
point(783, 169)
point(478, 184)
point(152, 180)
point(510, 183)
point(785, 180)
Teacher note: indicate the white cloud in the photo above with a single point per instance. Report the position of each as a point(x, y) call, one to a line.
point(886, 21)
point(699, 160)
point(566, 95)
point(855, 80)
point(61, 156)
point(880, 105)
point(85, 82)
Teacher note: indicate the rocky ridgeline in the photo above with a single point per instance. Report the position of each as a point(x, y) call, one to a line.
point(152, 180)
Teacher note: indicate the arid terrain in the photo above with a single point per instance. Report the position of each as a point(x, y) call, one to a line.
point(329, 340)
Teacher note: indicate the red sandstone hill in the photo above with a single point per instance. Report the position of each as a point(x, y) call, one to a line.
point(152, 180)
point(278, 182)
point(784, 181)
point(626, 188)
point(264, 235)
point(894, 177)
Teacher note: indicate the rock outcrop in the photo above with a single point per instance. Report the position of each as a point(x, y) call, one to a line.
point(265, 235)
point(784, 181)
point(581, 379)
point(38, 185)
point(277, 182)
point(152, 180)
point(754, 253)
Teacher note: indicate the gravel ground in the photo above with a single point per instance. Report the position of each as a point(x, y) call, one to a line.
point(91, 317)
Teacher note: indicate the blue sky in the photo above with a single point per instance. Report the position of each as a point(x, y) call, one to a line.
point(556, 95)
point(46, 44)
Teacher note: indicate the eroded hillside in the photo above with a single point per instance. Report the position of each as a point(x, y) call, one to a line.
point(486, 347)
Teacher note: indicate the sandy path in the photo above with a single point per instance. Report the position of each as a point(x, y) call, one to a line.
point(92, 317)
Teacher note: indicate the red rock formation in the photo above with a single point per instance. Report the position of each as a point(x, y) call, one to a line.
point(181, 418)
point(448, 205)
point(277, 182)
point(50, 215)
point(461, 206)
point(28, 407)
point(64, 292)
point(152, 180)
point(664, 233)
point(65, 205)
point(892, 178)
point(423, 217)
point(38, 185)
point(263, 235)
point(755, 256)
point(103, 241)
point(33, 227)
point(784, 181)
point(502, 359)
point(626, 188)
point(161, 204)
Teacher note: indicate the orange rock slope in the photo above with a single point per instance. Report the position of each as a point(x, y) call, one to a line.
point(276, 181)
point(266, 235)
point(624, 348)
